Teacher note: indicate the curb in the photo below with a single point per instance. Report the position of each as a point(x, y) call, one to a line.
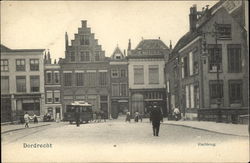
point(4, 132)
point(197, 128)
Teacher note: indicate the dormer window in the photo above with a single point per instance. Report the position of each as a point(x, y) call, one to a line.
point(118, 57)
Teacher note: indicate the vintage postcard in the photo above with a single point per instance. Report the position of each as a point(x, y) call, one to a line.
point(125, 81)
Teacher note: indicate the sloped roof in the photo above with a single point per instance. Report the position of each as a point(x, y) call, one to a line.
point(191, 35)
point(5, 49)
point(117, 51)
point(151, 44)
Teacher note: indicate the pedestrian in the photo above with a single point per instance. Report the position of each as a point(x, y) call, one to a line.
point(77, 116)
point(176, 113)
point(139, 116)
point(35, 119)
point(26, 119)
point(136, 116)
point(57, 117)
point(99, 117)
point(105, 116)
point(127, 117)
point(94, 116)
point(156, 117)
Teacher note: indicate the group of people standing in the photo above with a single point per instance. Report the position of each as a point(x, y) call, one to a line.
point(137, 117)
point(27, 119)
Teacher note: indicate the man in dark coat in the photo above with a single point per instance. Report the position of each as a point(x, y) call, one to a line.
point(156, 117)
point(77, 116)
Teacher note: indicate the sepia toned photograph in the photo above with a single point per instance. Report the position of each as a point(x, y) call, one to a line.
point(125, 81)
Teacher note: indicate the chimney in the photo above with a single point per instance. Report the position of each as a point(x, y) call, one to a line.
point(124, 52)
point(84, 23)
point(129, 45)
point(66, 41)
point(170, 45)
point(193, 18)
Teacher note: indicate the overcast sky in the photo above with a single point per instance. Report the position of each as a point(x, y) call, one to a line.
point(42, 24)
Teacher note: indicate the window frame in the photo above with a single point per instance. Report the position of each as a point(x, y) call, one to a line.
point(232, 58)
point(3, 65)
point(34, 66)
point(20, 66)
point(238, 100)
point(38, 77)
point(25, 87)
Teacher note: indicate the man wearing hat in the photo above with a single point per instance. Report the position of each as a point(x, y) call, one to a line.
point(156, 117)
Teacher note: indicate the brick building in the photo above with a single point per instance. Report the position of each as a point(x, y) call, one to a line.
point(22, 83)
point(119, 82)
point(207, 68)
point(146, 76)
point(52, 88)
point(85, 71)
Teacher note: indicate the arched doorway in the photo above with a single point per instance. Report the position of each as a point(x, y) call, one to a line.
point(137, 103)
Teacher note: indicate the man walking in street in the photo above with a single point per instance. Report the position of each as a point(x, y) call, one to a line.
point(156, 117)
point(26, 119)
